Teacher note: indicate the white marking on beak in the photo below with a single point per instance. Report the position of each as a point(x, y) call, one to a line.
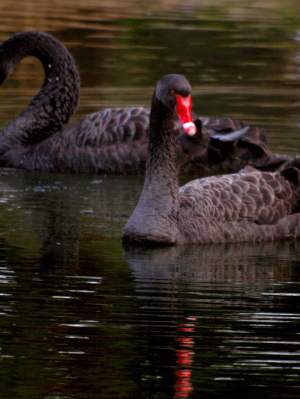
point(190, 128)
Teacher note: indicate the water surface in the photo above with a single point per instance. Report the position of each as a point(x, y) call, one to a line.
point(79, 316)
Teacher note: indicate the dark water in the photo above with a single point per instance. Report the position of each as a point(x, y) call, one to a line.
point(79, 317)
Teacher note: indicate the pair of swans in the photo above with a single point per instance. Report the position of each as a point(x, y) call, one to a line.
point(246, 206)
point(112, 140)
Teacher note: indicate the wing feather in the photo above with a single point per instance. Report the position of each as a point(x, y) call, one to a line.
point(262, 197)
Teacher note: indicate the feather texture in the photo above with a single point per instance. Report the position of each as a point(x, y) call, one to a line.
point(251, 205)
point(108, 141)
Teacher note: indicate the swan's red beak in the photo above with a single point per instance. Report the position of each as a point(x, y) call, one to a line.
point(184, 112)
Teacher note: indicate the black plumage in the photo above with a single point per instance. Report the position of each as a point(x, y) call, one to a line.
point(247, 206)
point(109, 141)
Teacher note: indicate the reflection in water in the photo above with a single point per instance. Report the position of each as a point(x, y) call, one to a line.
point(245, 314)
point(78, 317)
point(83, 316)
point(183, 386)
point(250, 264)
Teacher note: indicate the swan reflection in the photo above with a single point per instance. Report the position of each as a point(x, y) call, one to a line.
point(216, 304)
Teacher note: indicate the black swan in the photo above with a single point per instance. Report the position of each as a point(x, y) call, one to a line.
point(52, 107)
point(247, 206)
point(112, 140)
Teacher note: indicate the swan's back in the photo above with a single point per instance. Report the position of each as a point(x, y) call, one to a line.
point(262, 197)
point(111, 126)
point(236, 207)
point(115, 140)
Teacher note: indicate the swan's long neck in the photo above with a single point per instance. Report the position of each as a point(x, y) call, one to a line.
point(58, 97)
point(161, 181)
point(155, 216)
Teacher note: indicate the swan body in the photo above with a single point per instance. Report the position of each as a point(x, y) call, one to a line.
point(247, 206)
point(112, 140)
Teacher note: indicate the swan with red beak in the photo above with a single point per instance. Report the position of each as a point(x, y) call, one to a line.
point(154, 220)
point(246, 206)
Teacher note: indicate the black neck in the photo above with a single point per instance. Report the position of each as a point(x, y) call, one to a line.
point(155, 216)
point(58, 97)
point(161, 168)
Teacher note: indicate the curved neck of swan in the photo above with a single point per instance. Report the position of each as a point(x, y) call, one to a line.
point(58, 97)
point(155, 216)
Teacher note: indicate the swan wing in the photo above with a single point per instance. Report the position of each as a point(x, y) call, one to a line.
point(250, 195)
point(112, 126)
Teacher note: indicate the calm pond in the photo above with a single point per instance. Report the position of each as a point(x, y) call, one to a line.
point(82, 318)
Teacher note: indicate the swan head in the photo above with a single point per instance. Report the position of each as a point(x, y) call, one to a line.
point(174, 92)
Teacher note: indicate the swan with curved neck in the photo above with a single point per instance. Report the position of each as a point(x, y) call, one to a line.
point(58, 97)
point(246, 206)
point(113, 140)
